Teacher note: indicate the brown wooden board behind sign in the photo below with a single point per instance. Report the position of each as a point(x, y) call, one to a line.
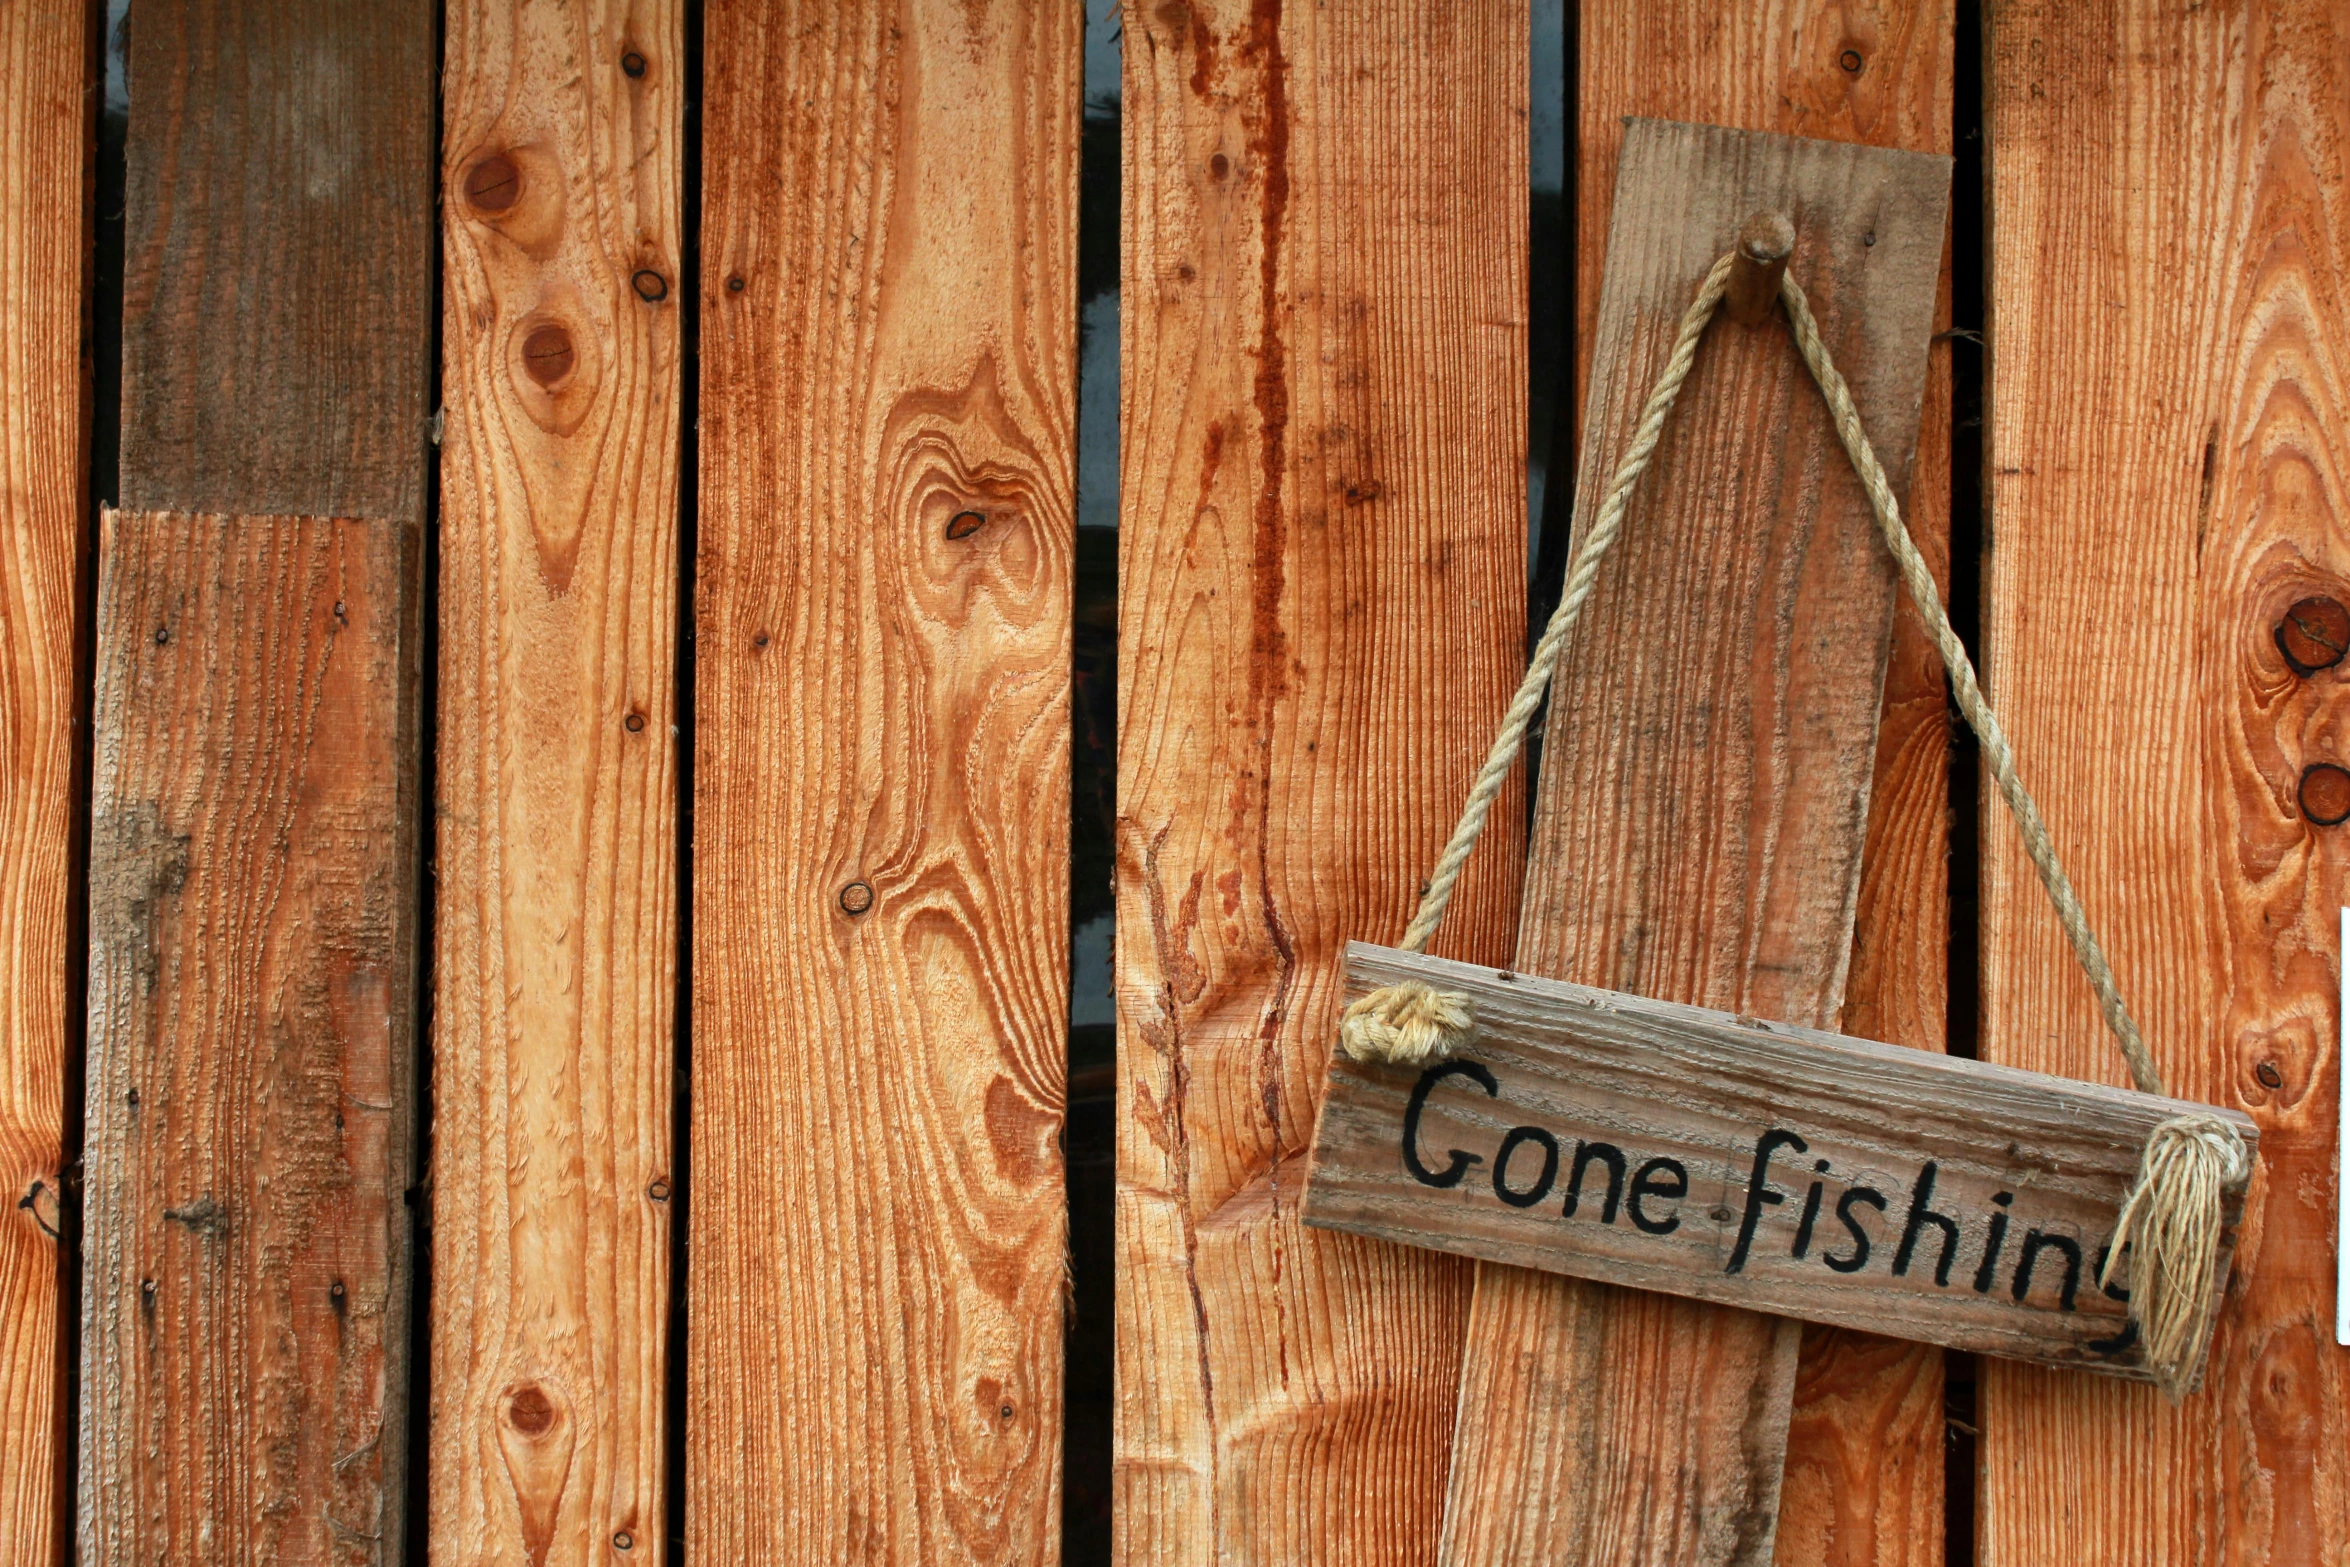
point(1781, 1169)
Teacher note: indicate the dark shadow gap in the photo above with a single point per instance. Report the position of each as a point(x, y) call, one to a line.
point(1090, 1135)
point(689, 298)
point(417, 1476)
point(1969, 538)
point(1552, 437)
point(102, 402)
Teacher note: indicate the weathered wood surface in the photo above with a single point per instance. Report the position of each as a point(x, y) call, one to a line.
point(1863, 1484)
point(557, 923)
point(882, 816)
point(1701, 819)
point(1323, 574)
point(1719, 1157)
point(253, 848)
point(252, 898)
point(276, 292)
point(45, 129)
point(2170, 224)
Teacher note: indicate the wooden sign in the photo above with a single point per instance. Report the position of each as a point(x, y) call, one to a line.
point(1781, 1169)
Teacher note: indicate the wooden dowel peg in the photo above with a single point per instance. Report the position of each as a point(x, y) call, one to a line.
point(1764, 243)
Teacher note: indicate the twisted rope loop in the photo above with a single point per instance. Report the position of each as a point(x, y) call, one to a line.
point(2170, 1225)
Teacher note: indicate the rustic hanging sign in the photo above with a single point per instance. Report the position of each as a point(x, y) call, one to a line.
point(1782, 1169)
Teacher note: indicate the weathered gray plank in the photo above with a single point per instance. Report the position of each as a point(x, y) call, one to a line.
point(277, 280)
point(1612, 1137)
point(1701, 820)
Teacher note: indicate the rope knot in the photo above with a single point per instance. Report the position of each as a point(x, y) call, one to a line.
point(2170, 1227)
point(1407, 1024)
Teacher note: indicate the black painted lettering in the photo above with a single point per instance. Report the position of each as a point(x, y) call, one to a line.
point(1811, 1214)
point(2036, 1242)
point(1760, 1191)
point(1649, 1181)
point(1920, 1215)
point(1517, 1138)
point(1451, 1174)
point(1998, 1237)
point(1611, 1156)
point(1857, 1197)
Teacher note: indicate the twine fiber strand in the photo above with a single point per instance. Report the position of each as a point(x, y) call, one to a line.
point(2170, 1226)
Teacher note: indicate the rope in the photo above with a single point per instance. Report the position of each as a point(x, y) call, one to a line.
point(2171, 1222)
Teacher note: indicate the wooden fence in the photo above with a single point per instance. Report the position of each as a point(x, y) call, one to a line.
point(540, 581)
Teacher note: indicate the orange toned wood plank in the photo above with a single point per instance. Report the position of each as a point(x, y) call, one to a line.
point(2170, 473)
point(1864, 1446)
point(252, 903)
point(557, 921)
point(1322, 586)
point(277, 282)
point(1699, 828)
point(881, 878)
point(44, 239)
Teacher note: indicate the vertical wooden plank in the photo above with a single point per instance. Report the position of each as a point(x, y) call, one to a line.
point(1864, 1446)
point(253, 843)
point(2170, 228)
point(1699, 828)
point(888, 424)
point(251, 913)
point(1322, 590)
point(278, 196)
point(556, 925)
point(45, 125)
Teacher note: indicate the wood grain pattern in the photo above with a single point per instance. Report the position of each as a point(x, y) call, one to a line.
point(1718, 1157)
point(2171, 327)
point(45, 147)
point(277, 277)
point(1863, 1483)
point(252, 898)
point(1322, 589)
point(1701, 820)
point(882, 816)
point(557, 922)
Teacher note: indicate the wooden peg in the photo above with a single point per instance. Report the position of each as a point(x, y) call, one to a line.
point(1764, 243)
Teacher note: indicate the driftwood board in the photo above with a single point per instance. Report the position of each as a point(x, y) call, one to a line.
point(881, 824)
point(1720, 1157)
point(1700, 825)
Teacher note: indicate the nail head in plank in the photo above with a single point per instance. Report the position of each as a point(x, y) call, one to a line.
point(1700, 826)
point(556, 936)
point(252, 901)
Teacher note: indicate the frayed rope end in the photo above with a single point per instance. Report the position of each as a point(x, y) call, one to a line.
point(2170, 1228)
point(1407, 1024)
